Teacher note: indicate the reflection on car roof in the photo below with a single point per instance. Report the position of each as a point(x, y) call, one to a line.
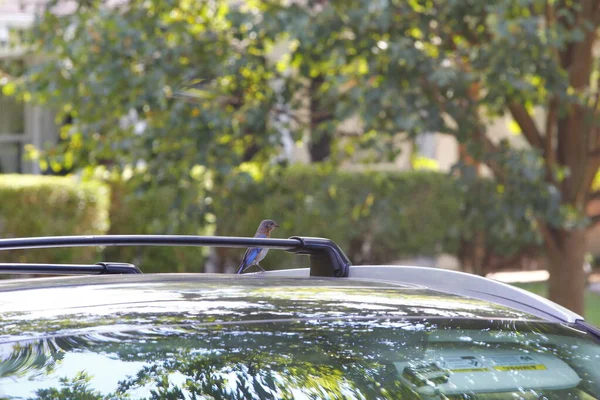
point(94, 302)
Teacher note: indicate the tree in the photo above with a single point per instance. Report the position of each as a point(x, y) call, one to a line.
point(545, 50)
point(311, 85)
point(446, 66)
point(197, 77)
point(193, 77)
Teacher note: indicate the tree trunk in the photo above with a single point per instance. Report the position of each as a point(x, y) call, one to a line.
point(567, 277)
point(320, 149)
point(250, 152)
point(472, 255)
point(321, 139)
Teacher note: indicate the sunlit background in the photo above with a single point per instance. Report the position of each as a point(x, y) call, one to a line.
point(448, 134)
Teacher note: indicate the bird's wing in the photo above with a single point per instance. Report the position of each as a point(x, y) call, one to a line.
point(250, 255)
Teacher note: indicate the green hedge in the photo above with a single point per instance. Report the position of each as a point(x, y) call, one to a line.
point(150, 212)
point(33, 205)
point(375, 217)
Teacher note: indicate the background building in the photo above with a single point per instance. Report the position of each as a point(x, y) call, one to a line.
point(20, 124)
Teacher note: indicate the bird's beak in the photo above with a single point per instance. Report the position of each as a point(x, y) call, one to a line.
point(276, 226)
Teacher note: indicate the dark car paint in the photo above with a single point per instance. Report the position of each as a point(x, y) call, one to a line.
point(86, 302)
point(316, 333)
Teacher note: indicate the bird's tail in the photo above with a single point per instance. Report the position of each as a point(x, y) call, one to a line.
point(242, 267)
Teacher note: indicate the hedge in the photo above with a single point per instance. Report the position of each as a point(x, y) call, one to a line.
point(34, 205)
point(150, 213)
point(376, 217)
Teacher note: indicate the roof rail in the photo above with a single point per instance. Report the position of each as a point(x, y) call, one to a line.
point(459, 283)
point(101, 268)
point(326, 258)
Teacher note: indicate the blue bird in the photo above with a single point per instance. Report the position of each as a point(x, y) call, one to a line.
point(255, 255)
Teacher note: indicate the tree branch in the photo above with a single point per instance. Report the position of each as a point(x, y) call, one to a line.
point(594, 131)
point(283, 111)
point(549, 155)
point(597, 12)
point(594, 153)
point(549, 14)
point(488, 148)
point(580, 57)
point(590, 173)
point(593, 143)
point(527, 125)
point(591, 158)
point(322, 115)
point(594, 221)
point(549, 237)
point(594, 195)
point(550, 22)
point(6, 75)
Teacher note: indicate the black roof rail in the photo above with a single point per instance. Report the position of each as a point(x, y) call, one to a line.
point(326, 258)
point(101, 268)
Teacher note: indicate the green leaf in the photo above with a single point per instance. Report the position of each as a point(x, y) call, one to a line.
point(9, 89)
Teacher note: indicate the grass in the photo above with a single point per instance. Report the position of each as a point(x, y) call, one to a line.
point(592, 300)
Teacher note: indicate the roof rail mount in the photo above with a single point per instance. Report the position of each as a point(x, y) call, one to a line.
point(326, 258)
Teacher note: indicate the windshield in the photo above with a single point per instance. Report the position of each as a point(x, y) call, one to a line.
point(408, 358)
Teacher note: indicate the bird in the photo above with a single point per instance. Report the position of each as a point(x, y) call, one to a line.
point(255, 255)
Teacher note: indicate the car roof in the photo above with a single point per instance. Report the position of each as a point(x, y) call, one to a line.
point(52, 305)
point(326, 260)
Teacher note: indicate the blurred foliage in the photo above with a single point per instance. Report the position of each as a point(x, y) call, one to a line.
point(167, 85)
point(172, 85)
point(52, 206)
point(510, 207)
point(375, 217)
point(189, 75)
point(135, 211)
point(10, 69)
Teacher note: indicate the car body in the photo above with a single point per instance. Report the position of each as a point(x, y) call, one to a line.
point(375, 332)
point(273, 336)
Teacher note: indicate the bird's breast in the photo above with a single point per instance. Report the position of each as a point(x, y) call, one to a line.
point(262, 254)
